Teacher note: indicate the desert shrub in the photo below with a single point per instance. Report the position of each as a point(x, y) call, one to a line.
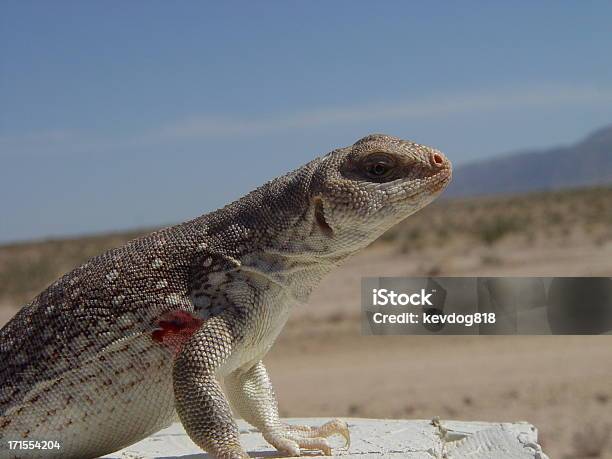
point(593, 441)
point(493, 230)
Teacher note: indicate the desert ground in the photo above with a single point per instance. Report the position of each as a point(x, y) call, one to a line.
point(321, 365)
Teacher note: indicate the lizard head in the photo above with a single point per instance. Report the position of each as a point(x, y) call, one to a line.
point(359, 192)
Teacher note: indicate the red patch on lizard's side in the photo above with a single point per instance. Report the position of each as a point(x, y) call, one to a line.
point(175, 328)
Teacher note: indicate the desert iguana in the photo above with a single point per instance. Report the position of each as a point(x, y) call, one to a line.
point(178, 321)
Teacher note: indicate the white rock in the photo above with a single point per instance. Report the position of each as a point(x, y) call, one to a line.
point(372, 438)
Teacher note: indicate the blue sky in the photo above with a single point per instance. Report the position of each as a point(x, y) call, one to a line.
point(118, 115)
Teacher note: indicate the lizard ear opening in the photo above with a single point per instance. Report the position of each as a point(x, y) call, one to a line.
point(319, 215)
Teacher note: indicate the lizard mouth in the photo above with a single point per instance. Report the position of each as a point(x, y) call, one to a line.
point(433, 184)
point(442, 179)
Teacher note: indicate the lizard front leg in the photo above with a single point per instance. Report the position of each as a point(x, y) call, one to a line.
point(252, 397)
point(200, 403)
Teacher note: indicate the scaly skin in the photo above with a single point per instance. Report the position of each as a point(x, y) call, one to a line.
point(115, 349)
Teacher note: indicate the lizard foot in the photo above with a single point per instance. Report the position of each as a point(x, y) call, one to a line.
point(221, 450)
point(290, 439)
point(237, 453)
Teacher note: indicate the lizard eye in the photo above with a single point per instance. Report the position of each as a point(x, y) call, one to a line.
point(378, 169)
point(378, 166)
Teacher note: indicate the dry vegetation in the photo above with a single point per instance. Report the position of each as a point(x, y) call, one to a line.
point(561, 384)
point(541, 219)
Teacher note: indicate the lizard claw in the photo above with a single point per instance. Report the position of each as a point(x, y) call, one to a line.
point(337, 427)
point(291, 438)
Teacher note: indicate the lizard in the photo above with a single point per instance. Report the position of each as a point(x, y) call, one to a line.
point(176, 323)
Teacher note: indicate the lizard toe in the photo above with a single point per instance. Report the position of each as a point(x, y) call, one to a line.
point(284, 443)
point(333, 427)
point(315, 444)
point(292, 438)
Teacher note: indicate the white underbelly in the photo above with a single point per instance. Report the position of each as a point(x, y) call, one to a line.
point(269, 320)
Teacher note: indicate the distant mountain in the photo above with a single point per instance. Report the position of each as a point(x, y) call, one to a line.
point(588, 162)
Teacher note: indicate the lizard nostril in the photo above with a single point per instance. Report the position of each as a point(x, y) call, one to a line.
point(438, 159)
